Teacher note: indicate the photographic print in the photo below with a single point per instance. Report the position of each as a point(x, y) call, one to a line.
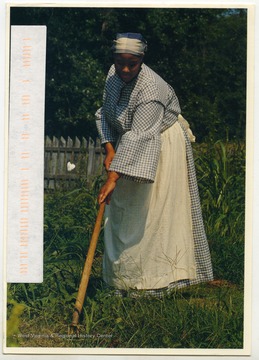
point(129, 150)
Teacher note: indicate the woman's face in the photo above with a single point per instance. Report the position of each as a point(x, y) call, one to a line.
point(127, 66)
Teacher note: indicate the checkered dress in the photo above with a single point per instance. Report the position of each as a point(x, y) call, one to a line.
point(134, 116)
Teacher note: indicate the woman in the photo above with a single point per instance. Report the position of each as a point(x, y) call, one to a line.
point(154, 233)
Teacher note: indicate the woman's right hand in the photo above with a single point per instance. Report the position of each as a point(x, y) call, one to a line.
point(110, 152)
point(108, 160)
point(107, 189)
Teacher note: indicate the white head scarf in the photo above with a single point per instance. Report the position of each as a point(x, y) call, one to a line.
point(129, 43)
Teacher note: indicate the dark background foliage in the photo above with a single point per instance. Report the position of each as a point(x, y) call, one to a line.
point(201, 52)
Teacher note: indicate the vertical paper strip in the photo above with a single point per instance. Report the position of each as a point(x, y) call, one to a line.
point(26, 154)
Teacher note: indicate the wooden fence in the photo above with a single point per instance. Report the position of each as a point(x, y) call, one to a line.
point(70, 162)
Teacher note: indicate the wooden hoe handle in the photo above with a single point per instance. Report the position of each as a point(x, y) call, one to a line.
point(87, 267)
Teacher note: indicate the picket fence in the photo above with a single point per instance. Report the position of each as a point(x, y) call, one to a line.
point(70, 162)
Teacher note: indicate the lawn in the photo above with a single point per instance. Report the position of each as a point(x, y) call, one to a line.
point(203, 316)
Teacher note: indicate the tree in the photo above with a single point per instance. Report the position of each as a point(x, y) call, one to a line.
point(200, 52)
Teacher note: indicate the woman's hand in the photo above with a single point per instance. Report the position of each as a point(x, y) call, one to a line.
point(108, 160)
point(110, 152)
point(108, 188)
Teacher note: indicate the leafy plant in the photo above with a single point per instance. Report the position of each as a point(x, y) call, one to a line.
point(200, 52)
point(204, 316)
point(14, 313)
point(221, 178)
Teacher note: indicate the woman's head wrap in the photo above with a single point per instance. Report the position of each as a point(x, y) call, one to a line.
point(129, 43)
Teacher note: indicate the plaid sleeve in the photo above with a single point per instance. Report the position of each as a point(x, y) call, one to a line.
point(106, 132)
point(138, 151)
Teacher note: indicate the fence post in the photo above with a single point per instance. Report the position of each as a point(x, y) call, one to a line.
point(98, 157)
point(47, 171)
point(62, 156)
point(86, 156)
point(91, 156)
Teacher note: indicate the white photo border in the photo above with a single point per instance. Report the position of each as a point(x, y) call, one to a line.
point(252, 196)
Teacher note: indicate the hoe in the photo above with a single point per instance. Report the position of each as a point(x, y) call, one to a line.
point(74, 327)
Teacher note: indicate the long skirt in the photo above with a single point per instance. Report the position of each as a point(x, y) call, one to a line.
point(154, 234)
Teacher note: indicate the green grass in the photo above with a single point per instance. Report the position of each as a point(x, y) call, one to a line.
point(199, 317)
point(221, 177)
point(204, 316)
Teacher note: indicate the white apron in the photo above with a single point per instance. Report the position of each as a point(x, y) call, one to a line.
point(148, 227)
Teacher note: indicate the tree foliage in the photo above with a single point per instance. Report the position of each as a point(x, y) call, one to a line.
point(201, 52)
